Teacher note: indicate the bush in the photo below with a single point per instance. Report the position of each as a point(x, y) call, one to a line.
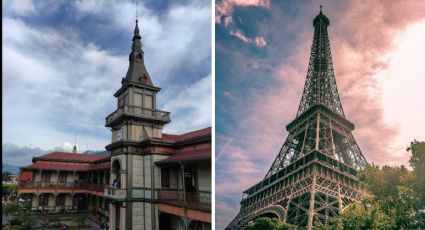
point(28, 222)
point(12, 208)
point(15, 221)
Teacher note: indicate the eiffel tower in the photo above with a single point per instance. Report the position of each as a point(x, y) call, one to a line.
point(314, 176)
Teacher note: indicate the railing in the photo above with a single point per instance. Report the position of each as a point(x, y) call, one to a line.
point(194, 200)
point(63, 208)
point(141, 112)
point(97, 187)
point(63, 185)
point(115, 193)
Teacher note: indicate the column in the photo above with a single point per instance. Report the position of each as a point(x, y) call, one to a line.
point(41, 178)
point(55, 197)
point(112, 216)
point(57, 178)
point(184, 197)
point(311, 207)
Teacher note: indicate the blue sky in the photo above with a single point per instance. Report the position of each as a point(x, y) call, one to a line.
point(262, 54)
point(64, 60)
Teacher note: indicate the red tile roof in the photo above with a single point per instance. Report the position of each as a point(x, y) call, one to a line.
point(25, 176)
point(186, 136)
point(73, 156)
point(200, 154)
point(53, 166)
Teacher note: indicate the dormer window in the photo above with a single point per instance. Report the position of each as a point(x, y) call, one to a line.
point(143, 79)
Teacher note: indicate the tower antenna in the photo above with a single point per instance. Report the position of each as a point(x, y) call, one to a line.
point(137, 10)
point(74, 149)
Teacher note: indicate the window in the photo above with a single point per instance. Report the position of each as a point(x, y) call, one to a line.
point(120, 102)
point(148, 102)
point(60, 201)
point(44, 199)
point(45, 177)
point(165, 177)
point(62, 178)
point(119, 135)
point(137, 99)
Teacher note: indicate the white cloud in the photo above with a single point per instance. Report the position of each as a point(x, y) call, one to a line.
point(89, 6)
point(56, 84)
point(21, 8)
point(191, 107)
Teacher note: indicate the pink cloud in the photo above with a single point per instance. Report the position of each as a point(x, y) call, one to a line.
point(224, 9)
point(241, 36)
point(258, 41)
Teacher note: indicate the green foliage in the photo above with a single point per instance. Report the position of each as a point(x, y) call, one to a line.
point(265, 223)
point(396, 197)
point(80, 222)
point(8, 189)
point(417, 161)
point(28, 222)
point(6, 176)
point(12, 208)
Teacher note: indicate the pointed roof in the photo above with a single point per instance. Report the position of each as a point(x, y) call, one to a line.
point(320, 86)
point(137, 72)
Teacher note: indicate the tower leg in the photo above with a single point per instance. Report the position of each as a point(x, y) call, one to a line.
point(311, 207)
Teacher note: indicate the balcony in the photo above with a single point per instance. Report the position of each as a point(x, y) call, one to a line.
point(194, 200)
point(139, 112)
point(115, 193)
point(62, 186)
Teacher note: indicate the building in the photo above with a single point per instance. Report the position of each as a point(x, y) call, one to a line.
point(61, 182)
point(150, 179)
point(147, 164)
point(314, 176)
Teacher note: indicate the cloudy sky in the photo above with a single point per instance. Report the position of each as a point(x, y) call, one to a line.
point(64, 60)
point(262, 53)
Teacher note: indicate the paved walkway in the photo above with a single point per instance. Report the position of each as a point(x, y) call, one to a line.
point(5, 219)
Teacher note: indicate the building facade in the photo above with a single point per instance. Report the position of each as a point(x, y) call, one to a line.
point(142, 160)
point(63, 182)
point(150, 179)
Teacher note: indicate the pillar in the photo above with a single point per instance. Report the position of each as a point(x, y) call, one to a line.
point(184, 197)
point(311, 207)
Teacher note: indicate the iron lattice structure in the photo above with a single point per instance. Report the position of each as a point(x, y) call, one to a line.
point(314, 176)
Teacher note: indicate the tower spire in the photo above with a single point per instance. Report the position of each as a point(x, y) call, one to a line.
point(74, 149)
point(137, 72)
point(320, 86)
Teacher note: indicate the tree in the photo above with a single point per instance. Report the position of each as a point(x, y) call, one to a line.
point(396, 197)
point(266, 223)
point(12, 208)
point(359, 216)
point(8, 189)
point(28, 222)
point(6, 176)
point(417, 162)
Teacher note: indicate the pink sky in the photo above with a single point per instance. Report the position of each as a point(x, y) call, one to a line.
point(377, 50)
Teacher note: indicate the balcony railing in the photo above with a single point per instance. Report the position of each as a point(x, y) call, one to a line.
point(194, 200)
point(97, 187)
point(63, 185)
point(140, 112)
point(115, 193)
